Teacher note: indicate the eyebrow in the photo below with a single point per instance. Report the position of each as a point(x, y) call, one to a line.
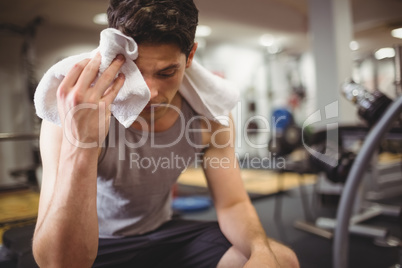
point(171, 66)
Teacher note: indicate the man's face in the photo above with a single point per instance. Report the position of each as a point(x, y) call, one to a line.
point(162, 67)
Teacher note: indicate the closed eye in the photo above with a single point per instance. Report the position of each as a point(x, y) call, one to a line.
point(169, 71)
point(168, 74)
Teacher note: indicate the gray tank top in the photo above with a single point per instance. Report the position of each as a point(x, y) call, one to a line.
point(137, 170)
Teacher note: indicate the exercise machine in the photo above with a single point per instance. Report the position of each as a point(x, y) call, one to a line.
point(341, 238)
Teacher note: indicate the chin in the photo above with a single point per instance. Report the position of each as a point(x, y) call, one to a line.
point(148, 112)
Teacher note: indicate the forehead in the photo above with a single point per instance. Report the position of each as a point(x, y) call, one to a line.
point(154, 57)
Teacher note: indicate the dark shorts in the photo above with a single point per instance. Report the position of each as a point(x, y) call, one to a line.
point(177, 243)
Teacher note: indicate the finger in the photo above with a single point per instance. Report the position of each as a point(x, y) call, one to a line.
point(114, 89)
point(73, 74)
point(90, 72)
point(109, 75)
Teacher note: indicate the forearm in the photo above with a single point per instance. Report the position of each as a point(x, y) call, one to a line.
point(67, 235)
point(241, 225)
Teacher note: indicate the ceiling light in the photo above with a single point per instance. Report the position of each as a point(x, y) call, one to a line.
point(101, 19)
point(274, 49)
point(203, 31)
point(267, 40)
point(397, 33)
point(354, 45)
point(386, 52)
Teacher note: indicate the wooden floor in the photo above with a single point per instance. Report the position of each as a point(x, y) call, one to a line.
point(17, 208)
point(255, 180)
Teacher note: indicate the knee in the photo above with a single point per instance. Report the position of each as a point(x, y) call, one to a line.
point(285, 256)
point(289, 259)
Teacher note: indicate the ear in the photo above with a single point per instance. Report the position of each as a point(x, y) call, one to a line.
point(191, 55)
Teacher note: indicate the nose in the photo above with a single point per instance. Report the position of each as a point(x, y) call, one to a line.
point(152, 85)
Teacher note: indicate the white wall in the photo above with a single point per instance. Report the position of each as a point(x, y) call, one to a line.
point(261, 78)
point(244, 67)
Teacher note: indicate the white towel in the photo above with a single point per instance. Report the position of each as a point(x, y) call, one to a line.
point(208, 94)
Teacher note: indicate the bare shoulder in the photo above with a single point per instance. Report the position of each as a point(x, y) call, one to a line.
point(217, 135)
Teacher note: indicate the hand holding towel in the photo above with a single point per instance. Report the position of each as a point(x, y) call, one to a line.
point(208, 94)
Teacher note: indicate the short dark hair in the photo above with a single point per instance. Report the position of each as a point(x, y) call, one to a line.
point(156, 21)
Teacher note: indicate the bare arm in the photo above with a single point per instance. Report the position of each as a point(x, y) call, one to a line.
point(237, 217)
point(66, 233)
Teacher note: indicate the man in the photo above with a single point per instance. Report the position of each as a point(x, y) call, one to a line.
point(100, 206)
